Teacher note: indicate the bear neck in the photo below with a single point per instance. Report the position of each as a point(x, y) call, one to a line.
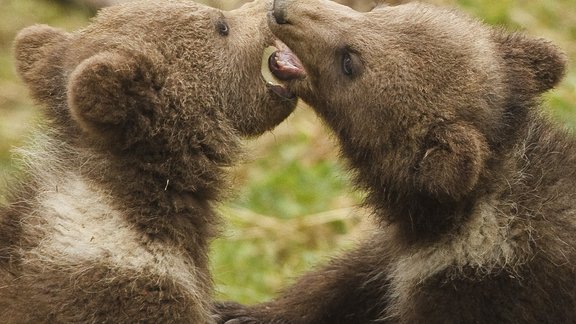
point(170, 200)
point(167, 200)
point(535, 157)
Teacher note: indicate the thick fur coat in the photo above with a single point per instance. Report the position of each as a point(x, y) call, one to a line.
point(145, 109)
point(439, 117)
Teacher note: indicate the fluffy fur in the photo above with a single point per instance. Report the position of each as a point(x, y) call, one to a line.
point(439, 117)
point(145, 109)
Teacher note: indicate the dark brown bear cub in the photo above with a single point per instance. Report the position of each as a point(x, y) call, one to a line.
point(439, 117)
point(145, 110)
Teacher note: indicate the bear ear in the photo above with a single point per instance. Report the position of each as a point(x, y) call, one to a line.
point(535, 65)
point(115, 96)
point(451, 161)
point(36, 50)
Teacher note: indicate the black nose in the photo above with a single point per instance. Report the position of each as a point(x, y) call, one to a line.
point(279, 11)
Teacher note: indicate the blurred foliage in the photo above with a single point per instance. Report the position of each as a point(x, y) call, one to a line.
point(294, 205)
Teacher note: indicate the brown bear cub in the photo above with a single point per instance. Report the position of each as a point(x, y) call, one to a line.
point(145, 110)
point(439, 117)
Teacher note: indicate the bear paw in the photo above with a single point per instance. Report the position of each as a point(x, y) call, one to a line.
point(233, 313)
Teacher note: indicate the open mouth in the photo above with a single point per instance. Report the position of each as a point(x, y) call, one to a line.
point(280, 65)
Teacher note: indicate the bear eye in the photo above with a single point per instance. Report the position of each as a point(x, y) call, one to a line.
point(347, 64)
point(222, 28)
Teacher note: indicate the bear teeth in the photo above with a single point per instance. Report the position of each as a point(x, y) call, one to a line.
point(286, 66)
point(265, 68)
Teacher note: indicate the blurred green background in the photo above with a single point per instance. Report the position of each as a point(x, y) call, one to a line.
point(294, 205)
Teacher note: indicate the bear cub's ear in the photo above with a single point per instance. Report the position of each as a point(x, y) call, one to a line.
point(451, 161)
point(535, 65)
point(38, 60)
point(115, 96)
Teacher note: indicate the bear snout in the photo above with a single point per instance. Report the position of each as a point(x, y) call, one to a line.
point(279, 12)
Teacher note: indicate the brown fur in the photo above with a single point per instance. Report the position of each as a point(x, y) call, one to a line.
point(473, 188)
point(145, 109)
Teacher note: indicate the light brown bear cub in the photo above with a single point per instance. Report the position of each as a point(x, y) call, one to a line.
point(145, 110)
point(439, 117)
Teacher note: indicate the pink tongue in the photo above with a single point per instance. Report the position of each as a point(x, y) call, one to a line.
point(285, 65)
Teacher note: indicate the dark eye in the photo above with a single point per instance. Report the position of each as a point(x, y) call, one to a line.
point(347, 63)
point(222, 28)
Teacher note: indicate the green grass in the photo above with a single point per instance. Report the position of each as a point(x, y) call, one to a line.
point(293, 205)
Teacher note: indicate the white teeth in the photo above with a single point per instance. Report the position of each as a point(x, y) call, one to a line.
point(265, 70)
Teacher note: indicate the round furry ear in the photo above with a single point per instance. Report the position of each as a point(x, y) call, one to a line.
point(115, 96)
point(535, 65)
point(38, 50)
point(451, 161)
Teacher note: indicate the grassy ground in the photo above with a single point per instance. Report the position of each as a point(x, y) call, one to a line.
point(294, 203)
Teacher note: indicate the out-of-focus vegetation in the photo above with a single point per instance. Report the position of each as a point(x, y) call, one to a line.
point(294, 205)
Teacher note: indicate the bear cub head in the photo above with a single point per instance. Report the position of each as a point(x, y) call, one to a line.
point(156, 77)
point(425, 101)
